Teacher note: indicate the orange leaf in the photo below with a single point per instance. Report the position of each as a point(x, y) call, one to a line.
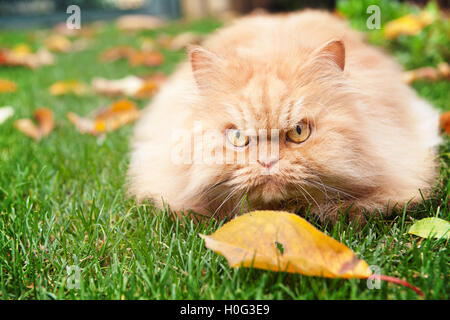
point(44, 118)
point(106, 120)
point(445, 122)
point(146, 58)
point(7, 86)
point(151, 86)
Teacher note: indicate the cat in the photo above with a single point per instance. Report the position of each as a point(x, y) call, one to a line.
point(351, 137)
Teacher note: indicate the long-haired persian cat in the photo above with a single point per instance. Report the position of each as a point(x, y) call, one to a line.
point(350, 135)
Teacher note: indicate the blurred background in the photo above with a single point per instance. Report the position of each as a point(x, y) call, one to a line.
point(23, 13)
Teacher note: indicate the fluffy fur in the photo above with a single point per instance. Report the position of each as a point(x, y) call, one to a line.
point(372, 143)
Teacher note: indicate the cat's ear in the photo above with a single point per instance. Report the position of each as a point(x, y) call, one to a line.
point(205, 65)
point(334, 50)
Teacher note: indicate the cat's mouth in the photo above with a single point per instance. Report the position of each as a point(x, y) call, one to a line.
point(269, 189)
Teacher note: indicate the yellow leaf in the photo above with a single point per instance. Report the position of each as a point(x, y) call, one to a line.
point(58, 43)
point(7, 86)
point(22, 49)
point(408, 25)
point(280, 241)
point(67, 87)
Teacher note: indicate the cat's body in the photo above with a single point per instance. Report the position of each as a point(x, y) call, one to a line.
point(371, 138)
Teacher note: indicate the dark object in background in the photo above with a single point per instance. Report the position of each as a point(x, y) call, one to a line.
point(247, 6)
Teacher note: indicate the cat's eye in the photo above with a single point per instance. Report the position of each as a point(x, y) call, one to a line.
point(237, 138)
point(300, 133)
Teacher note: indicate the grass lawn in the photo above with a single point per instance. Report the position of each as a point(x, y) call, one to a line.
point(63, 204)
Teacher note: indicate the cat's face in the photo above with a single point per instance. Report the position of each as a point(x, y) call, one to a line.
point(300, 118)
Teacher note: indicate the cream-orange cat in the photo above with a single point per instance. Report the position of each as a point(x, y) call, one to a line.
point(348, 132)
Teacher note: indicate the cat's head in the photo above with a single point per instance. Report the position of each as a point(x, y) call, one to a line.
point(300, 103)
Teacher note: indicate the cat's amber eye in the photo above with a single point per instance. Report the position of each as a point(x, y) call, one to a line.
point(300, 133)
point(237, 138)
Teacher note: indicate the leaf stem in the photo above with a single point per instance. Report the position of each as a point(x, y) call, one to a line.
point(402, 283)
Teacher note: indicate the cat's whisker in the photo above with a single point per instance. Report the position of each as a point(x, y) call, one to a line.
point(232, 193)
point(312, 198)
point(331, 188)
point(239, 202)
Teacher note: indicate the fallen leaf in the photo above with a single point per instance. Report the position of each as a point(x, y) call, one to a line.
point(444, 70)
point(180, 41)
point(131, 86)
point(28, 127)
point(58, 43)
point(408, 25)
point(7, 86)
point(280, 241)
point(45, 120)
point(139, 22)
point(106, 120)
point(425, 73)
point(128, 86)
point(6, 113)
point(116, 53)
point(146, 58)
point(151, 86)
point(431, 227)
point(68, 87)
point(14, 58)
point(251, 240)
point(445, 122)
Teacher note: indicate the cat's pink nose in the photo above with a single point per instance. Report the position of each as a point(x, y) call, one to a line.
point(268, 163)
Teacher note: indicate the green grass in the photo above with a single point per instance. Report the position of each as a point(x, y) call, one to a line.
point(63, 203)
